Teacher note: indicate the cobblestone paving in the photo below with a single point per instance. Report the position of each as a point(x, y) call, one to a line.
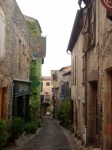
point(51, 137)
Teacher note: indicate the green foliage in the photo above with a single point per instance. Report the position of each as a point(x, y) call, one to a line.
point(16, 127)
point(39, 122)
point(30, 127)
point(35, 72)
point(64, 114)
point(35, 89)
point(3, 133)
point(34, 28)
point(49, 109)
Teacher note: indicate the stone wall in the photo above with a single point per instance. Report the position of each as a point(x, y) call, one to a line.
point(77, 89)
point(100, 71)
point(105, 75)
point(16, 60)
point(47, 88)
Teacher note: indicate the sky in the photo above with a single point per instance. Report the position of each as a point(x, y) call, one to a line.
point(56, 18)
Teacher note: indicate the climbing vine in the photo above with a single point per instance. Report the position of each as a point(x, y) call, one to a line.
point(35, 72)
point(34, 28)
point(35, 89)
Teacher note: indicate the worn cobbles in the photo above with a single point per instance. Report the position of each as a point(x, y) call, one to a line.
point(51, 137)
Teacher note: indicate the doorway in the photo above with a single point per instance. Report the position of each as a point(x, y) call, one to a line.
point(93, 114)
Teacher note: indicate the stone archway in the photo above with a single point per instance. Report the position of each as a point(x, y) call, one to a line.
point(45, 105)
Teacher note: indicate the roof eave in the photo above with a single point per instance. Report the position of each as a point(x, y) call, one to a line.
point(77, 27)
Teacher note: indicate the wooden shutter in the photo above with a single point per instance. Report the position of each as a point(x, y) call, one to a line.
point(72, 71)
point(75, 71)
point(2, 36)
point(92, 23)
point(85, 30)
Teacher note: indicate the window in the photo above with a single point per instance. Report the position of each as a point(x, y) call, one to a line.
point(41, 83)
point(74, 71)
point(89, 26)
point(2, 33)
point(109, 15)
point(91, 29)
point(47, 83)
point(85, 30)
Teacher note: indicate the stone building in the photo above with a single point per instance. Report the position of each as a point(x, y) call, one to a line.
point(77, 76)
point(67, 84)
point(92, 64)
point(38, 51)
point(14, 61)
point(46, 94)
point(62, 86)
point(62, 71)
point(47, 88)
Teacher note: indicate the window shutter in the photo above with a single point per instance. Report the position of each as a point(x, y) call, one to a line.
point(72, 72)
point(85, 30)
point(92, 23)
point(2, 36)
point(75, 72)
point(85, 20)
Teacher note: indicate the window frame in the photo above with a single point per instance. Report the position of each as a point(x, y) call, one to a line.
point(47, 83)
point(2, 33)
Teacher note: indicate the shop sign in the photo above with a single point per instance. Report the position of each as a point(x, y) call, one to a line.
point(55, 78)
point(38, 46)
point(21, 88)
point(107, 4)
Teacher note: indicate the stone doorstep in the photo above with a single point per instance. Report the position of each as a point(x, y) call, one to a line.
point(89, 148)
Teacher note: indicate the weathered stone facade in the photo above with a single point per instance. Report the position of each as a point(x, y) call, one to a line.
point(15, 62)
point(46, 97)
point(96, 30)
point(47, 88)
point(77, 88)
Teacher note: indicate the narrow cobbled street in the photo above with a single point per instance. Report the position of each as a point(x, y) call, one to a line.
point(51, 137)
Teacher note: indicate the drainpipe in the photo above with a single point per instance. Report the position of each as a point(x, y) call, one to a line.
point(85, 98)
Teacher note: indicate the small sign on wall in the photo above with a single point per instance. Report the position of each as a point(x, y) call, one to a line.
point(107, 4)
point(38, 46)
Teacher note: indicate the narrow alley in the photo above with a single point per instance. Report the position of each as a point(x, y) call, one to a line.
point(51, 137)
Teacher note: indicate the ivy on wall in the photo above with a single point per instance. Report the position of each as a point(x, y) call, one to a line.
point(35, 77)
point(34, 28)
point(35, 72)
